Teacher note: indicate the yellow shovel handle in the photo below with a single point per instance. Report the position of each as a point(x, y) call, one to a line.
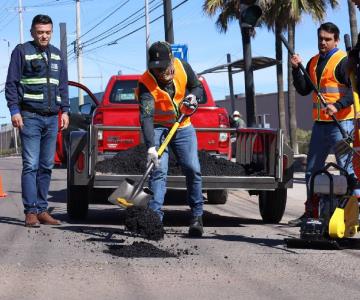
point(355, 94)
point(168, 138)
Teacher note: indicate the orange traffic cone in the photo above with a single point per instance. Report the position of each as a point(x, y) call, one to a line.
point(2, 193)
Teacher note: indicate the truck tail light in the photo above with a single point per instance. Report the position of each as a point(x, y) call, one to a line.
point(80, 162)
point(99, 120)
point(223, 136)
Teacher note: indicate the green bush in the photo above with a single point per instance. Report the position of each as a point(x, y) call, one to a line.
point(303, 139)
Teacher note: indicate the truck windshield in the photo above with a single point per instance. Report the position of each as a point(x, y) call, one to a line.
point(124, 92)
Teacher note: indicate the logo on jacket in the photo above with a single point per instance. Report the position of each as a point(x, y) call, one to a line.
point(54, 67)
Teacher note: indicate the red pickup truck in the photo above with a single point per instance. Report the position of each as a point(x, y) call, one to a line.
point(120, 108)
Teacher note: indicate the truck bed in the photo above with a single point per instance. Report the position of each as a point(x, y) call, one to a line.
point(263, 146)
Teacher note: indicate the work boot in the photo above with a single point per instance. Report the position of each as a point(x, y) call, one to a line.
point(196, 227)
point(31, 220)
point(297, 222)
point(46, 219)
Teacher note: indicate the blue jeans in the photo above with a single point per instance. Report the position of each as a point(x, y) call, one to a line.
point(323, 137)
point(184, 146)
point(38, 141)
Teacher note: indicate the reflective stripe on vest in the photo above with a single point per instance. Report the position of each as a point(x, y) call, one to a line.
point(331, 89)
point(38, 81)
point(33, 56)
point(166, 110)
point(38, 97)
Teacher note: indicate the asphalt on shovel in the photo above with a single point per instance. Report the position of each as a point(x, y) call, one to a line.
point(129, 193)
point(344, 146)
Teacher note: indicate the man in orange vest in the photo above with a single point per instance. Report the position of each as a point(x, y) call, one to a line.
point(162, 88)
point(327, 71)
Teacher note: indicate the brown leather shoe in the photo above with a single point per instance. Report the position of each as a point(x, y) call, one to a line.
point(31, 220)
point(46, 219)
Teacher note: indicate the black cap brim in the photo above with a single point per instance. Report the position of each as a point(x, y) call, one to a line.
point(162, 64)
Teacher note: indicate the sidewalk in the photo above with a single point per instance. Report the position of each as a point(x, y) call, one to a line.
point(300, 161)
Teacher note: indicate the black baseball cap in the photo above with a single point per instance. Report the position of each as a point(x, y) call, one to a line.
point(160, 55)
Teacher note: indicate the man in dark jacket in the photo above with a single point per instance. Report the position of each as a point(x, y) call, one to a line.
point(162, 89)
point(36, 90)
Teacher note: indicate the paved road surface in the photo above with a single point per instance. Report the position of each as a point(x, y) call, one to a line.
point(238, 258)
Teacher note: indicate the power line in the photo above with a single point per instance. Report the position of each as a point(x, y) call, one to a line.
point(134, 31)
point(56, 3)
point(107, 33)
point(109, 15)
point(122, 28)
point(4, 26)
point(126, 35)
point(97, 39)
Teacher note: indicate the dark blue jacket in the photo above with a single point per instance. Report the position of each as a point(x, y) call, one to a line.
point(37, 80)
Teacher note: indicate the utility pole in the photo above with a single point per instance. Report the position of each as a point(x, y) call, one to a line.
point(231, 84)
point(168, 22)
point(21, 23)
point(63, 42)
point(147, 30)
point(79, 51)
point(249, 78)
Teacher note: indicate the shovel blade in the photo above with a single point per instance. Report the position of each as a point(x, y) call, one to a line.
point(124, 196)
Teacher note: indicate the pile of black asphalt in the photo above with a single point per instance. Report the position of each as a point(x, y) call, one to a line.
point(144, 222)
point(133, 162)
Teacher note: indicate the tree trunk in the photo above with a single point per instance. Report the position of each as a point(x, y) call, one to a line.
point(353, 25)
point(291, 93)
point(249, 78)
point(280, 80)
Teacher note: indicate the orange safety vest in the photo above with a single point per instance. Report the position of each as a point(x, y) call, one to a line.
point(167, 110)
point(331, 89)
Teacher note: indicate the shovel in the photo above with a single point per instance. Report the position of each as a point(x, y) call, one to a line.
point(345, 145)
point(129, 192)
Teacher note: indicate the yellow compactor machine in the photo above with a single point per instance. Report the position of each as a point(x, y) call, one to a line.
point(335, 216)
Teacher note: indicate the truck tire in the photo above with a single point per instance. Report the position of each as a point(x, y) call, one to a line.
point(272, 205)
point(77, 202)
point(217, 196)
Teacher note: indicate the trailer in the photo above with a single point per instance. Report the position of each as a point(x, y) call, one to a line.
point(262, 147)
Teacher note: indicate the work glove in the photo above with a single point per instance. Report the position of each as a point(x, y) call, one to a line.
point(152, 155)
point(190, 101)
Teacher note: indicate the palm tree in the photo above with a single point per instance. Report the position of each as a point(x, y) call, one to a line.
point(353, 22)
point(280, 15)
point(229, 10)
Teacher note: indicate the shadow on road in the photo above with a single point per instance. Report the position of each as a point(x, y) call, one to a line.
point(11, 221)
point(266, 242)
point(172, 218)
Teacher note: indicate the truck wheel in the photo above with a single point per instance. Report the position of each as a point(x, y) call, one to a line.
point(272, 205)
point(217, 196)
point(77, 202)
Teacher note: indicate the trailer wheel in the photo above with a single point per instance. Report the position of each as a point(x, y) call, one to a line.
point(272, 205)
point(77, 202)
point(217, 196)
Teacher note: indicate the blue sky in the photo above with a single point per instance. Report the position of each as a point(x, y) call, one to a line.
point(207, 46)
